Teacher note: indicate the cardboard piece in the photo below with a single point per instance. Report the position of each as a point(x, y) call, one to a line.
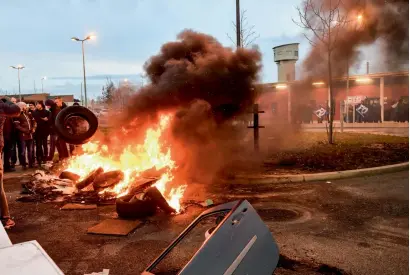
point(114, 227)
point(78, 206)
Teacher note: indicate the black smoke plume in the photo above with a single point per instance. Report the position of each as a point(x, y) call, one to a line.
point(385, 21)
point(198, 67)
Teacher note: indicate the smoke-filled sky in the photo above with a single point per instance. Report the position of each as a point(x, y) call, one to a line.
point(37, 34)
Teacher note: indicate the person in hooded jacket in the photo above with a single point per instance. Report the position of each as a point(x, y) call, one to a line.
point(26, 126)
point(7, 109)
point(42, 118)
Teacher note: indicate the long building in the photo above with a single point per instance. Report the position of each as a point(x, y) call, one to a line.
point(286, 100)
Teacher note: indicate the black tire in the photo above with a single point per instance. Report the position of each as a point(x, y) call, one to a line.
point(136, 209)
point(80, 111)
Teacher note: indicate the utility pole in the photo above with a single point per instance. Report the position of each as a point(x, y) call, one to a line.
point(238, 25)
point(42, 84)
point(18, 68)
point(81, 86)
point(367, 67)
point(82, 49)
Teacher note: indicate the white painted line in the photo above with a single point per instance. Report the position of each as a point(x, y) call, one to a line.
point(240, 257)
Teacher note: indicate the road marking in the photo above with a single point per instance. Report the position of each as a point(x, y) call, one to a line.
point(240, 257)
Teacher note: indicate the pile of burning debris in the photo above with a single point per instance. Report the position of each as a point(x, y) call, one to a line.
point(142, 198)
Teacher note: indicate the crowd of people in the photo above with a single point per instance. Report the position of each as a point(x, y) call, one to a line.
point(30, 138)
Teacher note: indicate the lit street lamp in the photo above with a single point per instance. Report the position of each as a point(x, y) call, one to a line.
point(82, 47)
point(18, 68)
point(42, 86)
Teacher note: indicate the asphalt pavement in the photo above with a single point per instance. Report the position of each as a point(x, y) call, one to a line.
point(352, 226)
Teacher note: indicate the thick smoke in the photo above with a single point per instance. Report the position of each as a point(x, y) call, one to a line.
point(206, 86)
point(385, 21)
point(198, 67)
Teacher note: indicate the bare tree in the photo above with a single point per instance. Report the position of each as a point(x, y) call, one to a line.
point(247, 33)
point(324, 20)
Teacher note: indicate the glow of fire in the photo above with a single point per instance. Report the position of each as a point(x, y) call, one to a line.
point(132, 161)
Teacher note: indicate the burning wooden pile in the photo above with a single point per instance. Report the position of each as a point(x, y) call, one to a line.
point(141, 199)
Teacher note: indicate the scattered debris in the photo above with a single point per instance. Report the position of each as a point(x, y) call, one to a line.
point(104, 272)
point(46, 187)
point(207, 203)
point(78, 206)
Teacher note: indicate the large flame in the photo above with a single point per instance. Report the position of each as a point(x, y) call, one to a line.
point(132, 161)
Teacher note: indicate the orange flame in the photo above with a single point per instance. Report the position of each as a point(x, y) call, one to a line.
point(132, 161)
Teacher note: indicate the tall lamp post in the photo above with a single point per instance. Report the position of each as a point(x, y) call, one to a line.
point(82, 47)
point(42, 85)
point(18, 68)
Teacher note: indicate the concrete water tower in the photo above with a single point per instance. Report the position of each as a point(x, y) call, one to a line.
point(286, 56)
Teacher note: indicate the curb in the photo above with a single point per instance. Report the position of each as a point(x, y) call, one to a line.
point(267, 179)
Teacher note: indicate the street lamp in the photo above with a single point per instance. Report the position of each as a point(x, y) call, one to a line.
point(18, 68)
point(82, 47)
point(42, 86)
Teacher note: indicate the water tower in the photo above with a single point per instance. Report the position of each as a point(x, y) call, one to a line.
point(286, 56)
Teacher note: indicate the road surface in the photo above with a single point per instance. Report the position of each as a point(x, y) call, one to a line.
point(358, 226)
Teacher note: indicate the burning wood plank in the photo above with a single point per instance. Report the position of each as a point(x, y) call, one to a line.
point(108, 179)
point(69, 175)
point(89, 179)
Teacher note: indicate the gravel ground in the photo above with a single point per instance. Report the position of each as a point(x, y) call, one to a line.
point(354, 226)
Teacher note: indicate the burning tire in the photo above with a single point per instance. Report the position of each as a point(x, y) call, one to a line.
point(66, 133)
point(129, 208)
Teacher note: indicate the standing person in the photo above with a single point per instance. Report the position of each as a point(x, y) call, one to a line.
point(59, 143)
point(42, 117)
point(9, 143)
point(14, 140)
point(26, 125)
point(7, 109)
point(31, 110)
point(53, 135)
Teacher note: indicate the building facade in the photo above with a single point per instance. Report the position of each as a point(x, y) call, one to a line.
point(299, 101)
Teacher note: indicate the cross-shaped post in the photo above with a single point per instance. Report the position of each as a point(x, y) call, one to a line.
point(256, 126)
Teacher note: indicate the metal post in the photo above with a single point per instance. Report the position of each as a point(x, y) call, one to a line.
point(18, 73)
point(42, 86)
point(354, 112)
point(367, 67)
point(347, 93)
point(85, 84)
point(256, 126)
point(238, 25)
point(382, 99)
point(82, 99)
point(289, 105)
point(341, 116)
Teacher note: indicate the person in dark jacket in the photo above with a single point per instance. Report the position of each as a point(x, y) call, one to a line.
point(26, 125)
point(14, 139)
point(59, 143)
point(31, 110)
point(7, 109)
point(9, 144)
point(42, 118)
